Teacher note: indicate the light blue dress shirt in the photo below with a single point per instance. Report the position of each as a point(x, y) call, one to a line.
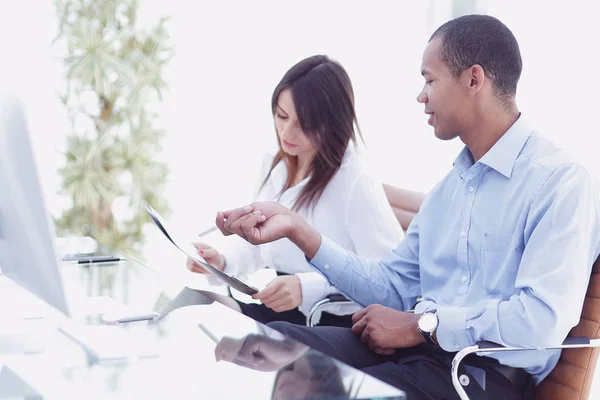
point(501, 248)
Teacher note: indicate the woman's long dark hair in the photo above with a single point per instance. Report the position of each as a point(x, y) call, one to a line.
point(324, 101)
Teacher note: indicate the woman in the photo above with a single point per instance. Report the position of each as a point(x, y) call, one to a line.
point(318, 173)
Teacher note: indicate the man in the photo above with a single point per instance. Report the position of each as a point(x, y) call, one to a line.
point(501, 250)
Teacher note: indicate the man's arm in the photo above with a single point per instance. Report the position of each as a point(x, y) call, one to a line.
point(392, 281)
point(305, 237)
point(265, 222)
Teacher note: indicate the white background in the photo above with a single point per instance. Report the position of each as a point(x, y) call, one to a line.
point(231, 54)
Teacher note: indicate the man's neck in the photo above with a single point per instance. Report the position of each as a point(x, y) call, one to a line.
point(489, 127)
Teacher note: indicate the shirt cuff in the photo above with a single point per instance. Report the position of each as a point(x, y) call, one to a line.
point(424, 306)
point(452, 328)
point(314, 288)
point(331, 260)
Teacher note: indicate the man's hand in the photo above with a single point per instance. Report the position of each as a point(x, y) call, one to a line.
point(259, 352)
point(282, 294)
point(266, 222)
point(384, 329)
point(258, 223)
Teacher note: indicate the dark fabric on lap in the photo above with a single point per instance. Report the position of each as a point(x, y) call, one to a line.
point(423, 372)
point(263, 314)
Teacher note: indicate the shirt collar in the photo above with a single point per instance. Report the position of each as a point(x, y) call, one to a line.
point(503, 154)
point(463, 161)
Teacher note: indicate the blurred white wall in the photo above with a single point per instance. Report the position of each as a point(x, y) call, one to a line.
point(28, 68)
point(231, 54)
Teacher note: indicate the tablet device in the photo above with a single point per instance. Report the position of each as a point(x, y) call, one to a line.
point(227, 279)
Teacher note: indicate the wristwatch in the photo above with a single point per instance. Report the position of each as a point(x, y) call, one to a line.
point(427, 324)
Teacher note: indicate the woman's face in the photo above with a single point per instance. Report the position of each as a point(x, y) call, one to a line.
point(295, 382)
point(291, 136)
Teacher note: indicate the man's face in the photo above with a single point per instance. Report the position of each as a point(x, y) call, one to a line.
point(444, 97)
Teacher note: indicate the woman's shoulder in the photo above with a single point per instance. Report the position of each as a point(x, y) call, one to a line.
point(355, 165)
point(269, 156)
point(267, 162)
point(352, 175)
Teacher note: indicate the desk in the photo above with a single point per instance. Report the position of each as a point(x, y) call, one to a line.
point(186, 366)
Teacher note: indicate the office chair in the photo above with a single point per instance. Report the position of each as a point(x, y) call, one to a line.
point(571, 379)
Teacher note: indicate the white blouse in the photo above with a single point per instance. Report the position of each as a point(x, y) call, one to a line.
point(353, 211)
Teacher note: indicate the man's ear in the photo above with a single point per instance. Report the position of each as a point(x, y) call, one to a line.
point(476, 77)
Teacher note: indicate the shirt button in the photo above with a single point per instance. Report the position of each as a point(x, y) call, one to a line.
point(464, 279)
point(463, 234)
point(471, 189)
point(326, 266)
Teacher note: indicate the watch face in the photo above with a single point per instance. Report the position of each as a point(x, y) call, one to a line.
point(428, 322)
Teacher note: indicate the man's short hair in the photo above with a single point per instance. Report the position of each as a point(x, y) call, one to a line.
point(482, 40)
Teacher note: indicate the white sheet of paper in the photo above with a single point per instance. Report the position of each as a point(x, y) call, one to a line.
point(189, 250)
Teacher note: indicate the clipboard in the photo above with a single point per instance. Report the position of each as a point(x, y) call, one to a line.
point(227, 279)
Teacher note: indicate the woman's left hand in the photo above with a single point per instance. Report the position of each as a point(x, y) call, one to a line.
point(284, 293)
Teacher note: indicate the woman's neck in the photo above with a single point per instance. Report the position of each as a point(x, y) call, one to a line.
point(302, 168)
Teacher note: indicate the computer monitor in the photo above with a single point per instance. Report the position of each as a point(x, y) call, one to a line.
point(27, 252)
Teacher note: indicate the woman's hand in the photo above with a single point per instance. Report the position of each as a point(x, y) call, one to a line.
point(282, 294)
point(212, 256)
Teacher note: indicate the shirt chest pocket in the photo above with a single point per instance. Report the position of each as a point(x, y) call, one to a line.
point(501, 257)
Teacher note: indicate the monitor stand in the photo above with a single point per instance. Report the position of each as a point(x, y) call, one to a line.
point(13, 387)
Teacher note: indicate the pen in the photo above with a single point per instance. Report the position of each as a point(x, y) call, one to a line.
point(95, 259)
point(208, 333)
point(131, 318)
point(209, 230)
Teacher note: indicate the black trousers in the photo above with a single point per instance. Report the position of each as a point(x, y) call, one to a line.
point(423, 372)
point(258, 312)
point(263, 314)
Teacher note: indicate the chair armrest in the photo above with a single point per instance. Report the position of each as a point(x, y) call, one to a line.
point(331, 299)
point(486, 347)
point(337, 298)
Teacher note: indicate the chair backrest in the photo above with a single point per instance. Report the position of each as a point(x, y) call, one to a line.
point(405, 203)
point(572, 377)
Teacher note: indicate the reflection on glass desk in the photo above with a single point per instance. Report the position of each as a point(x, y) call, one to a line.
point(204, 352)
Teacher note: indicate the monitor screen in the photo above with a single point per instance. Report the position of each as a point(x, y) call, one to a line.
point(27, 252)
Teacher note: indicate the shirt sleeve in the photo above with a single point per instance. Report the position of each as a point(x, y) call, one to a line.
point(562, 241)
point(314, 288)
point(392, 281)
point(372, 227)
